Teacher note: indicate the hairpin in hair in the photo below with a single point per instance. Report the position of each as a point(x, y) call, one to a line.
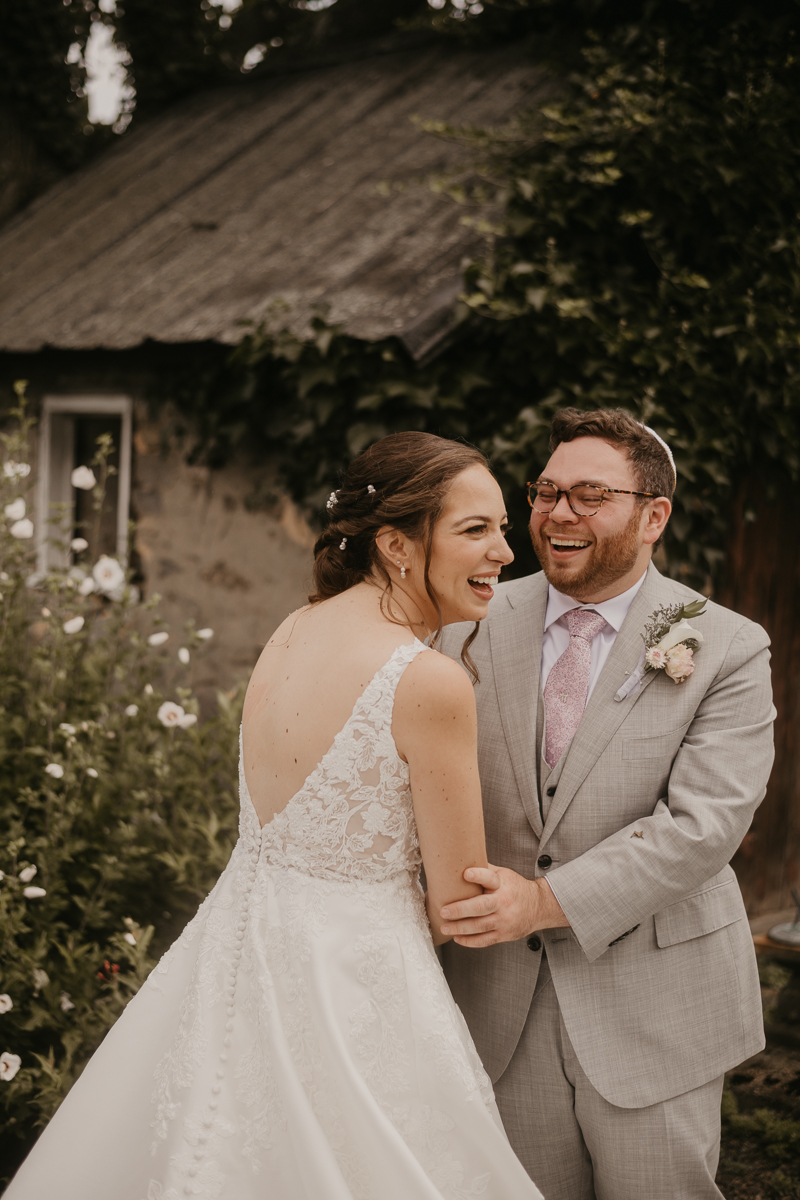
point(331, 500)
point(370, 490)
point(343, 544)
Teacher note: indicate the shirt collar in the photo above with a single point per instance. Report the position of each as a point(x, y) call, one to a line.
point(614, 610)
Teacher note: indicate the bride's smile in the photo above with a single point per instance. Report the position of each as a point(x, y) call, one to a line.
point(467, 553)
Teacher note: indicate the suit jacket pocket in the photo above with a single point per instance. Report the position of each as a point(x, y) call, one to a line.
point(699, 914)
point(653, 747)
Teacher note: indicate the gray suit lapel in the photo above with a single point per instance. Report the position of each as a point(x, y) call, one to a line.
point(603, 716)
point(515, 634)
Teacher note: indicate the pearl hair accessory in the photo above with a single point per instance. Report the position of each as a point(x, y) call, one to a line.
point(663, 444)
point(343, 544)
point(331, 500)
point(370, 490)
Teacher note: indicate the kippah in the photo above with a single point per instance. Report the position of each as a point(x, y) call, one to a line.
point(661, 442)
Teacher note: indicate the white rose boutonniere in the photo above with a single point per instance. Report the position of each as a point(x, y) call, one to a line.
point(670, 643)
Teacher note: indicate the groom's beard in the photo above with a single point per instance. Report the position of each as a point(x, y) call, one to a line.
point(606, 561)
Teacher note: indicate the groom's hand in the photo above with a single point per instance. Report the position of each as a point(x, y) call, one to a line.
point(510, 908)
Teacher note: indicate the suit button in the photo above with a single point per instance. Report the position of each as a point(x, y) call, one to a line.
point(551, 791)
point(534, 942)
point(544, 861)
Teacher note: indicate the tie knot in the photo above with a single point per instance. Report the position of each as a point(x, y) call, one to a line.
point(584, 623)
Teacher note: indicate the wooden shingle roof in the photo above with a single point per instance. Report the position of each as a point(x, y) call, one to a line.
point(239, 196)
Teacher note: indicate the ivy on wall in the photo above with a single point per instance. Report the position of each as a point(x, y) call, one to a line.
point(648, 256)
point(645, 254)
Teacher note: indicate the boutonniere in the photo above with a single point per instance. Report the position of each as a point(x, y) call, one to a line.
point(670, 641)
point(669, 645)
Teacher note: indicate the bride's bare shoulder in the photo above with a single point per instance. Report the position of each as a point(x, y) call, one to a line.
point(287, 627)
point(434, 684)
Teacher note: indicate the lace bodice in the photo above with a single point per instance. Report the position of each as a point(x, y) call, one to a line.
point(353, 817)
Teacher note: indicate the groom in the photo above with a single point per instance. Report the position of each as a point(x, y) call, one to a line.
point(607, 974)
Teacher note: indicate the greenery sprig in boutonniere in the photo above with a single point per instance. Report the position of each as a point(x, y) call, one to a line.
point(670, 641)
point(669, 645)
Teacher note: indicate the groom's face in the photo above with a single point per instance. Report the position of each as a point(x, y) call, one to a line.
point(607, 552)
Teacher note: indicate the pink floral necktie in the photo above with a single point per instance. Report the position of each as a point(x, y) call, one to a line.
point(568, 683)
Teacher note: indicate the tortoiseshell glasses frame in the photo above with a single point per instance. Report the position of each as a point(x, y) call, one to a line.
point(594, 501)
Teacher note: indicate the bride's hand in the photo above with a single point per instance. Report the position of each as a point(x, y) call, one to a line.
point(510, 908)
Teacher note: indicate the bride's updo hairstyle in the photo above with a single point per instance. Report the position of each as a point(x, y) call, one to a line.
point(401, 481)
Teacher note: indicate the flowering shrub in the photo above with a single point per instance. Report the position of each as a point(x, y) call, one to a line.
point(117, 804)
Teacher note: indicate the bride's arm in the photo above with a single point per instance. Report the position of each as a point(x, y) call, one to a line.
point(435, 729)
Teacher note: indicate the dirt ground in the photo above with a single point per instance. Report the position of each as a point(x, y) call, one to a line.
point(760, 1157)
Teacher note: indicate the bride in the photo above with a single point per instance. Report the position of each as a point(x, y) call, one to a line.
point(298, 1041)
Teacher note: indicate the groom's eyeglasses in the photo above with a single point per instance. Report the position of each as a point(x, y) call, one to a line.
point(584, 498)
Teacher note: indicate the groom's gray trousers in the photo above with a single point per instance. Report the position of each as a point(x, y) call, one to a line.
point(578, 1146)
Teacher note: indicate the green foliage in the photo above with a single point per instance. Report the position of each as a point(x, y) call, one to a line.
point(779, 1136)
point(317, 401)
point(648, 256)
point(642, 251)
point(113, 824)
point(37, 83)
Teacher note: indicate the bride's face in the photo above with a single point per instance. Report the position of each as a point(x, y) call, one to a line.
point(469, 549)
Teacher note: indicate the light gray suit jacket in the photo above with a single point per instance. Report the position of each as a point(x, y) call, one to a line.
point(656, 976)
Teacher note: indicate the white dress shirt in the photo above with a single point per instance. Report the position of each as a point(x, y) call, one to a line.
point(556, 634)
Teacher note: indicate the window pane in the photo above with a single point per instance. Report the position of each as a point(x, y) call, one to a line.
point(101, 535)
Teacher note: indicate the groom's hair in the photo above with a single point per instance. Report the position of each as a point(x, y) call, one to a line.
point(648, 458)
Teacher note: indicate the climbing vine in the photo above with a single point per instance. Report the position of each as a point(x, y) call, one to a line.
point(641, 250)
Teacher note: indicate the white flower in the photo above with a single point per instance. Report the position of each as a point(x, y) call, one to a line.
point(15, 470)
point(78, 544)
point(6, 1003)
point(27, 874)
point(681, 631)
point(131, 710)
point(55, 769)
point(158, 639)
point(16, 510)
point(88, 586)
point(130, 939)
point(9, 1063)
point(74, 625)
point(205, 634)
point(66, 1004)
point(108, 574)
point(83, 478)
point(4, 576)
point(171, 714)
point(40, 978)
point(656, 658)
point(148, 689)
point(33, 893)
point(90, 771)
point(187, 720)
point(65, 727)
point(184, 655)
point(22, 529)
point(680, 663)
point(46, 612)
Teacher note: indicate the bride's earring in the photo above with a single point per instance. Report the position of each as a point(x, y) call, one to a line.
point(402, 570)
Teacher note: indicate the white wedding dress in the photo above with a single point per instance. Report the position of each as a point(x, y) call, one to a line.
point(298, 1041)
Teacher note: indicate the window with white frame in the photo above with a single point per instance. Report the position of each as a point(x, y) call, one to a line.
point(68, 433)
